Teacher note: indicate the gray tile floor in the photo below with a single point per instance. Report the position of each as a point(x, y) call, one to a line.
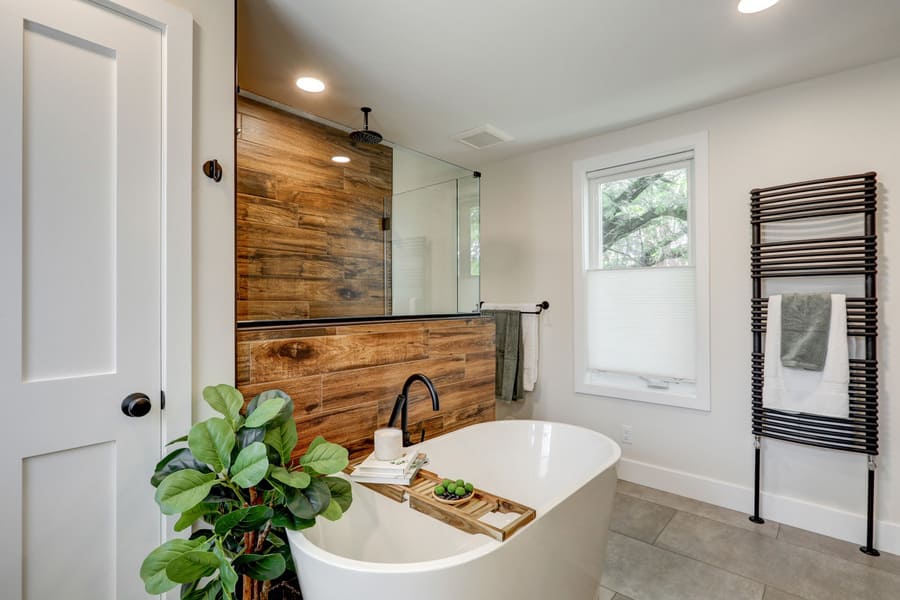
point(667, 547)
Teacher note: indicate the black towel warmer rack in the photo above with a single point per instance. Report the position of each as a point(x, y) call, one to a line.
point(823, 257)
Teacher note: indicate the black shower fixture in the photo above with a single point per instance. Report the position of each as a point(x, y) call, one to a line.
point(366, 135)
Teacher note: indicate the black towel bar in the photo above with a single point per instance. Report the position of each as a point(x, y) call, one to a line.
point(541, 307)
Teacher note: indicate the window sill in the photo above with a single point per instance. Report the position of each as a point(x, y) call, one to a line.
point(689, 396)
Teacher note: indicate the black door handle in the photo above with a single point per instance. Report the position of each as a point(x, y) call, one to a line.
point(136, 405)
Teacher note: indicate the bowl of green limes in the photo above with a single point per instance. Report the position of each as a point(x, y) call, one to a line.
point(451, 491)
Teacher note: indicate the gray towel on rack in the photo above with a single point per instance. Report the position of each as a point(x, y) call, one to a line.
point(509, 362)
point(805, 323)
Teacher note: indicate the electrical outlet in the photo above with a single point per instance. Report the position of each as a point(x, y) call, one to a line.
point(626, 434)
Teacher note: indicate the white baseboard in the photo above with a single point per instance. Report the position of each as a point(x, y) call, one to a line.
point(783, 509)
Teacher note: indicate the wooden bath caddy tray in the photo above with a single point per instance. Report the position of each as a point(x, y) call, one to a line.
point(465, 515)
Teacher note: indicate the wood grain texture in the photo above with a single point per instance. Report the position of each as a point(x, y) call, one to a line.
point(345, 378)
point(309, 232)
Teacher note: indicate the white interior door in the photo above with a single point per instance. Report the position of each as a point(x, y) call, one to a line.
point(82, 160)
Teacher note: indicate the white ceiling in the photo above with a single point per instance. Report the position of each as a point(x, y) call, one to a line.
point(543, 71)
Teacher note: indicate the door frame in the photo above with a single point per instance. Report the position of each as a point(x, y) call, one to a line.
point(176, 26)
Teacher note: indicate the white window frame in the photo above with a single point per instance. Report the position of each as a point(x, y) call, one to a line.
point(698, 211)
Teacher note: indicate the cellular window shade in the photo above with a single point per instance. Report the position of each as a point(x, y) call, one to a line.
point(642, 321)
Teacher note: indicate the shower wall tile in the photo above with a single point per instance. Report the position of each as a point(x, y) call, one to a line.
point(310, 238)
point(344, 379)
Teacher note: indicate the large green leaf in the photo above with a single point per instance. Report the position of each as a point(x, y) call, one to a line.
point(285, 518)
point(192, 566)
point(309, 502)
point(250, 466)
point(333, 512)
point(341, 492)
point(183, 490)
point(287, 411)
point(326, 458)
point(211, 441)
point(227, 574)
point(177, 460)
point(188, 517)
point(318, 440)
point(265, 412)
point(248, 435)
point(299, 505)
point(211, 591)
point(275, 539)
point(153, 569)
point(225, 400)
point(295, 479)
point(262, 567)
point(282, 436)
point(243, 519)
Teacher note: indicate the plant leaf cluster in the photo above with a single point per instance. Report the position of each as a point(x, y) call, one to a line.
point(234, 482)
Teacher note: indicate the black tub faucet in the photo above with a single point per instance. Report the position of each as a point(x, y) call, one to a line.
point(402, 403)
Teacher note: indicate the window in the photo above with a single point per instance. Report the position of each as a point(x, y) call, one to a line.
point(641, 274)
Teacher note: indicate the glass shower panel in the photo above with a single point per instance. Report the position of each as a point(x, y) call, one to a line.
point(469, 219)
point(434, 249)
point(424, 250)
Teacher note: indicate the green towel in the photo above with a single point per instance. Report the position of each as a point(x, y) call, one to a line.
point(508, 382)
point(805, 323)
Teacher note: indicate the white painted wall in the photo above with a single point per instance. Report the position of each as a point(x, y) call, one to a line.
point(213, 203)
point(836, 125)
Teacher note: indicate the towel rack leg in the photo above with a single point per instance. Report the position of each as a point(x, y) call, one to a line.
point(756, 518)
point(870, 516)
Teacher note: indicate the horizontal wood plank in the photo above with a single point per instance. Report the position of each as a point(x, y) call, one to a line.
point(382, 384)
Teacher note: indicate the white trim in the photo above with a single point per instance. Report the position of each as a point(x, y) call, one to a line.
point(177, 27)
point(826, 520)
point(699, 214)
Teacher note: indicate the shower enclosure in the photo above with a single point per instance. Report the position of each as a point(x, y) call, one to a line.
point(432, 245)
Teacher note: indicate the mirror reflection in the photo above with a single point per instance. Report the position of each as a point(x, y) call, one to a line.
point(330, 226)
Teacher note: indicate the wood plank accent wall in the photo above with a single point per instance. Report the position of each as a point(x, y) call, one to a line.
point(344, 379)
point(309, 231)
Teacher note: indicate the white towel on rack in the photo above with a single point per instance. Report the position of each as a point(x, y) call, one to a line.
point(799, 390)
point(530, 340)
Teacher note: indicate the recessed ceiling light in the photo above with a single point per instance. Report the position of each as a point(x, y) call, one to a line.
point(755, 6)
point(310, 84)
point(340, 159)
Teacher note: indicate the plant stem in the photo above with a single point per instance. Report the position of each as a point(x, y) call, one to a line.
point(236, 490)
point(263, 536)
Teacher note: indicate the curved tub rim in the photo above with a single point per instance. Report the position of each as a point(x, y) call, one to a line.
point(305, 545)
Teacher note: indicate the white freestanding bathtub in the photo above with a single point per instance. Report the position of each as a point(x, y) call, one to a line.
point(384, 550)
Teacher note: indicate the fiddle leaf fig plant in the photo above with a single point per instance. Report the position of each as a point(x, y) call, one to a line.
point(236, 485)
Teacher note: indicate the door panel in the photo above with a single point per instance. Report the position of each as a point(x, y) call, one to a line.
point(68, 204)
point(80, 262)
point(46, 521)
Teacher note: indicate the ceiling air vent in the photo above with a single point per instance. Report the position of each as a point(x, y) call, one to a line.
point(482, 137)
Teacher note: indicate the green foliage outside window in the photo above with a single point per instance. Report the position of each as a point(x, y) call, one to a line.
point(645, 221)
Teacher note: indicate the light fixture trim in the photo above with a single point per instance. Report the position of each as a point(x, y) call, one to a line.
point(754, 6)
point(341, 159)
point(311, 85)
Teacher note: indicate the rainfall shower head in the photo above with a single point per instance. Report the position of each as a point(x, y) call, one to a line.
point(366, 135)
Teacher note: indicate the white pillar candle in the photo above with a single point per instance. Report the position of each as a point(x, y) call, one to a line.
point(388, 443)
